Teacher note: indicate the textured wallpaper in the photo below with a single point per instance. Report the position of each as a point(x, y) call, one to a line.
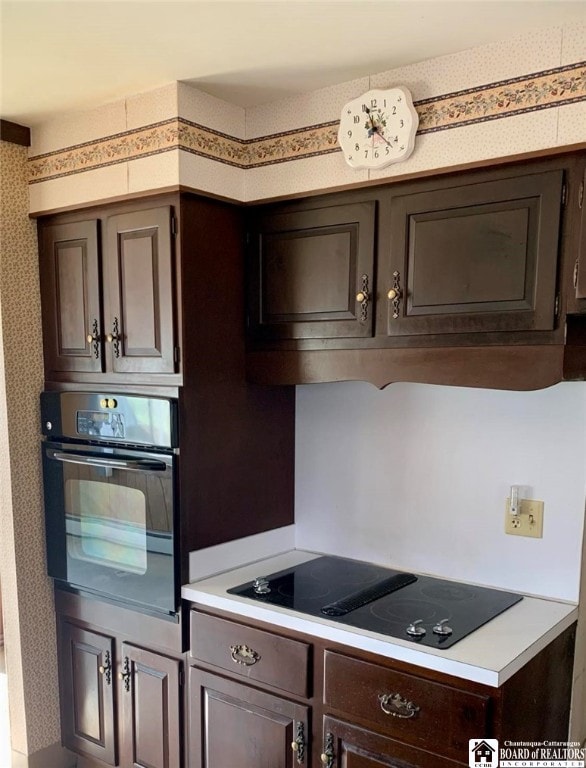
point(29, 624)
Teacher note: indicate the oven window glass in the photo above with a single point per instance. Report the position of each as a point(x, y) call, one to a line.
point(106, 525)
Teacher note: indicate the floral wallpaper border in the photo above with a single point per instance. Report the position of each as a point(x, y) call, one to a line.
point(541, 90)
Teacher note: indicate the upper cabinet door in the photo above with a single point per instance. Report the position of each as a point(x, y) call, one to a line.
point(70, 293)
point(474, 258)
point(312, 273)
point(139, 290)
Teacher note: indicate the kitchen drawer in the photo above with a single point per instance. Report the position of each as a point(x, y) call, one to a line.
point(445, 718)
point(251, 653)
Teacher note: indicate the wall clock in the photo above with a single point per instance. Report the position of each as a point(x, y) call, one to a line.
point(378, 128)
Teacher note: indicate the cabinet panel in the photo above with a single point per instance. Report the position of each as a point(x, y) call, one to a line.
point(348, 746)
point(475, 258)
point(70, 293)
point(139, 291)
point(87, 692)
point(151, 709)
point(307, 268)
point(236, 725)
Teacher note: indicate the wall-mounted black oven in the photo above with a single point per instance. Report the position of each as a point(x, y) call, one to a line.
point(109, 470)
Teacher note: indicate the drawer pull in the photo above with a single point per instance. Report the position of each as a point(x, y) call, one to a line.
point(399, 707)
point(242, 654)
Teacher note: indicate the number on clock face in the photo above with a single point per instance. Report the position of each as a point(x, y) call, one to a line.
point(378, 128)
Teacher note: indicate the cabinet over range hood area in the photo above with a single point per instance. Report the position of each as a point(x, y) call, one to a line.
point(472, 279)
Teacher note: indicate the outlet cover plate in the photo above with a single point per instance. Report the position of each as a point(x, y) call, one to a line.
point(529, 521)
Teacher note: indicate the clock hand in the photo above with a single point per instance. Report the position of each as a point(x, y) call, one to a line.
point(384, 139)
point(374, 128)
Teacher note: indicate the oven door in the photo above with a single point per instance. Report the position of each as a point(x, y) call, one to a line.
point(109, 516)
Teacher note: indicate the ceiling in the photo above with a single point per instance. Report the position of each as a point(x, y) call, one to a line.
point(67, 55)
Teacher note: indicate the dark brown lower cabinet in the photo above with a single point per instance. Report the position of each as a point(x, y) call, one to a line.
point(86, 661)
point(151, 712)
point(234, 725)
point(348, 746)
point(367, 711)
point(120, 704)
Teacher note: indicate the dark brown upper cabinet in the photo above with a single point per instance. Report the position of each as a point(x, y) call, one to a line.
point(109, 309)
point(138, 294)
point(311, 273)
point(473, 257)
point(70, 292)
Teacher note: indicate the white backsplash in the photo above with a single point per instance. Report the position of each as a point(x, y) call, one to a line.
point(415, 477)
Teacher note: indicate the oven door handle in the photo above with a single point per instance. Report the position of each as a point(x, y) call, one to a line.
point(137, 465)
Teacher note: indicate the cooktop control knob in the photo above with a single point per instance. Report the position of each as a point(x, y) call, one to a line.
point(441, 628)
point(414, 630)
point(261, 586)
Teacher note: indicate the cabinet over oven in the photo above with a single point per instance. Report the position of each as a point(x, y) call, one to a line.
point(110, 487)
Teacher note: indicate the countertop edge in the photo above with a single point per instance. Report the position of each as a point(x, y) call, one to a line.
point(211, 593)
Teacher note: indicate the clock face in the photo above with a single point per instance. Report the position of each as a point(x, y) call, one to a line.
point(378, 128)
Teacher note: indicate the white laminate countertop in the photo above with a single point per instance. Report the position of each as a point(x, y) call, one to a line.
point(490, 655)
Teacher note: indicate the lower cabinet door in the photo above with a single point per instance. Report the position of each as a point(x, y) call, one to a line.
point(149, 686)
point(236, 726)
point(348, 746)
point(86, 662)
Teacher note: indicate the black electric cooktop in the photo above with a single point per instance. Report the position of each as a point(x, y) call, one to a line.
point(425, 610)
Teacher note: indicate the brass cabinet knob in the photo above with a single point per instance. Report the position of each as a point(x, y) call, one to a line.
point(361, 296)
point(101, 670)
point(89, 338)
point(109, 338)
point(393, 294)
point(324, 758)
point(120, 676)
point(294, 746)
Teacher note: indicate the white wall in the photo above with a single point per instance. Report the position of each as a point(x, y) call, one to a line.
point(415, 476)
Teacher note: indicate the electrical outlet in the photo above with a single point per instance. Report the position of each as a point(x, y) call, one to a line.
point(529, 521)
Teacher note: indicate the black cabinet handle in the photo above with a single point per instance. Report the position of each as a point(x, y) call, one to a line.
point(298, 746)
point(125, 674)
point(115, 337)
point(105, 669)
point(94, 338)
point(395, 294)
point(327, 756)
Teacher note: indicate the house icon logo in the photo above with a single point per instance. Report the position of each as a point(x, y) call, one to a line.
point(483, 753)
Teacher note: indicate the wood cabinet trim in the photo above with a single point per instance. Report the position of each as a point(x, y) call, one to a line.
point(512, 367)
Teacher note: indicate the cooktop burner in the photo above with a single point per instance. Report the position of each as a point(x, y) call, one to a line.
point(423, 609)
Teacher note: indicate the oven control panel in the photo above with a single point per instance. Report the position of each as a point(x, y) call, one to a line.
point(101, 424)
